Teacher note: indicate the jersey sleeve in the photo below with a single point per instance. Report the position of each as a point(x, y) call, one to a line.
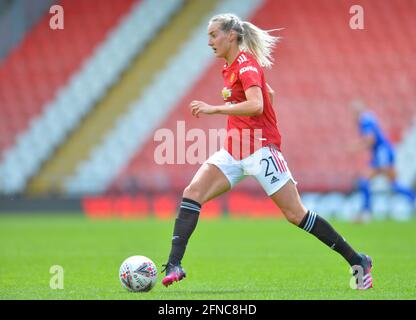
point(250, 76)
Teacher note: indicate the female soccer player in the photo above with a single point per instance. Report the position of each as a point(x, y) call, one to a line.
point(246, 49)
point(382, 157)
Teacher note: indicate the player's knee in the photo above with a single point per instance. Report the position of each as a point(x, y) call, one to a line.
point(293, 216)
point(192, 192)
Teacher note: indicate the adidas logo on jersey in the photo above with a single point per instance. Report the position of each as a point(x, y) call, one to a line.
point(274, 179)
point(242, 59)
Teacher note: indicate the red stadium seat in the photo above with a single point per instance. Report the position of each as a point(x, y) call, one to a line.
point(32, 73)
point(321, 66)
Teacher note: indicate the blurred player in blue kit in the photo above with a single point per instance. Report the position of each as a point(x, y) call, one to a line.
point(373, 138)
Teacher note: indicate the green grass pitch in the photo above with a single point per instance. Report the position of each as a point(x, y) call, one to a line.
point(226, 259)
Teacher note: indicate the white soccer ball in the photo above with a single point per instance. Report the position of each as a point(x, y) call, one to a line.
point(138, 274)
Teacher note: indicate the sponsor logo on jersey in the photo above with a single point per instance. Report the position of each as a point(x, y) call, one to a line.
point(248, 68)
point(226, 93)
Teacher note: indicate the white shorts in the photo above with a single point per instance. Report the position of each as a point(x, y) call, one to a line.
point(267, 165)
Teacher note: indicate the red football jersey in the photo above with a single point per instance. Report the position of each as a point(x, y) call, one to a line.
point(247, 134)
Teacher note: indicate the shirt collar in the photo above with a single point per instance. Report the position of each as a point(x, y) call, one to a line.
point(226, 66)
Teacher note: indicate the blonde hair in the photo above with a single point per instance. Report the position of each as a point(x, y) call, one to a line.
point(250, 38)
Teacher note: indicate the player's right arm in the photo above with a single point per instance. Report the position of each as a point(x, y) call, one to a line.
point(252, 107)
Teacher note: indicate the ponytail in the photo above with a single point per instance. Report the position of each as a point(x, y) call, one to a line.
point(250, 38)
point(259, 43)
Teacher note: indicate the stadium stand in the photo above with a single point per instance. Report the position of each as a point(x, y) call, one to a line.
point(82, 91)
point(45, 61)
point(406, 154)
point(136, 67)
point(4, 5)
point(86, 121)
point(16, 19)
point(315, 81)
point(145, 115)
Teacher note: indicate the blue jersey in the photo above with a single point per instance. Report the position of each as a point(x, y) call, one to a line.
point(382, 149)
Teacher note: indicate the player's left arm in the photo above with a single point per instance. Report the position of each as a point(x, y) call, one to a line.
point(253, 106)
point(366, 142)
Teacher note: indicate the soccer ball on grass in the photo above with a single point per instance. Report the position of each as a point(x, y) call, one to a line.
point(138, 274)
